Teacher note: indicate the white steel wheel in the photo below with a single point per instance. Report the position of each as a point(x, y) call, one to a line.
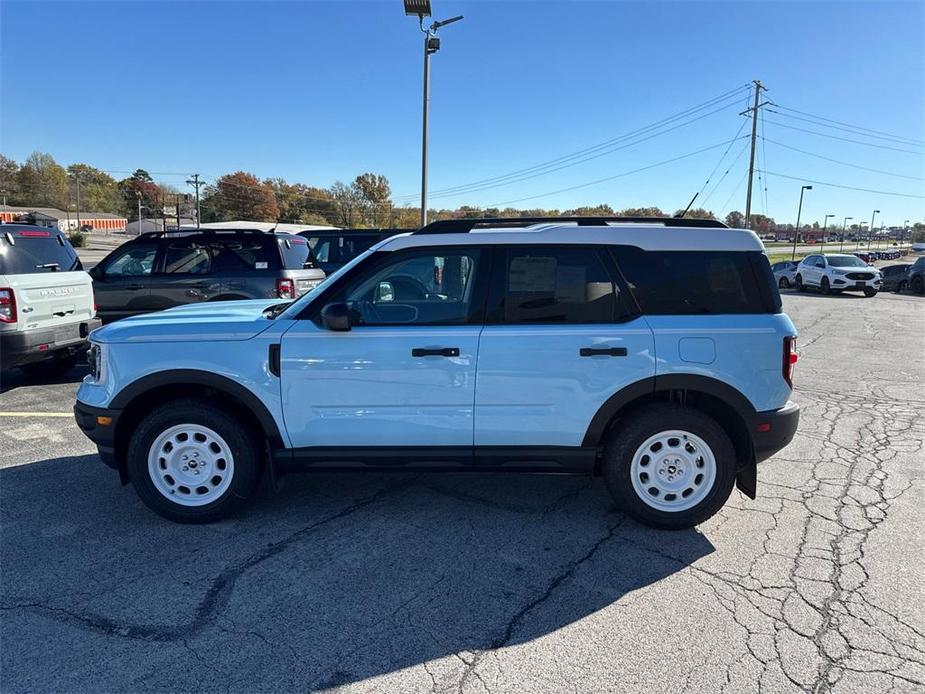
point(190, 464)
point(673, 471)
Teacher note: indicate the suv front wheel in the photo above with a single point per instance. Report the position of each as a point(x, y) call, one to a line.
point(192, 462)
point(798, 280)
point(670, 466)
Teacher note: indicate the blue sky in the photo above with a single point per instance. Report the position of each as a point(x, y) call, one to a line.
point(317, 92)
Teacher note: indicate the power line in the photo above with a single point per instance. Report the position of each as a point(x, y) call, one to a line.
point(838, 185)
point(722, 157)
point(844, 139)
point(610, 178)
point(856, 127)
point(843, 163)
point(893, 140)
point(484, 183)
point(733, 193)
point(726, 172)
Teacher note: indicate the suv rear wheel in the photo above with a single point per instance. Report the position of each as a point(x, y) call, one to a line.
point(918, 285)
point(669, 466)
point(192, 462)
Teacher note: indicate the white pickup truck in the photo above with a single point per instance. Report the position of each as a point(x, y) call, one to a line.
point(46, 301)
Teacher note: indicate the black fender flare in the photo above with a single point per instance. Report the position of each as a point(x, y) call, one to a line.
point(180, 377)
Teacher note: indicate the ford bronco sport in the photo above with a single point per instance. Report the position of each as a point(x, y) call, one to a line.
point(651, 352)
point(46, 301)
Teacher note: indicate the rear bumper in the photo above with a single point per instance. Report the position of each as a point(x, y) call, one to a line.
point(18, 348)
point(774, 429)
point(103, 435)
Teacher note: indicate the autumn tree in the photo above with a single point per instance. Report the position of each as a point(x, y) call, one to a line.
point(735, 219)
point(642, 212)
point(9, 181)
point(140, 186)
point(696, 213)
point(373, 195)
point(42, 181)
point(240, 195)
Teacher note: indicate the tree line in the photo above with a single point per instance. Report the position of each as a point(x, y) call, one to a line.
point(364, 202)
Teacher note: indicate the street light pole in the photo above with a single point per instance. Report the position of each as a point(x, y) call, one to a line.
point(844, 230)
point(421, 8)
point(870, 229)
point(825, 223)
point(796, 232)
point(902, 234)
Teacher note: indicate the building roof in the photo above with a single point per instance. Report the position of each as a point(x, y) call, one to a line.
point(55, 213)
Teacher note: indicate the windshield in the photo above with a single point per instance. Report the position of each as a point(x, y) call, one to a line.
point(296, 307)
point(845, 261)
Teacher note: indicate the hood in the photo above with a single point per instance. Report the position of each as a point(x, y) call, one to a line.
point(223, 321)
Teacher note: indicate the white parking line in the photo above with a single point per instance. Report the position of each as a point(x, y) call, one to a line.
point(36, 414)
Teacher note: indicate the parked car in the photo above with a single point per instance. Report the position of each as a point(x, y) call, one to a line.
point(915, 276)
point(835, 273)
point(336, 247)
point(522, 350)
point(785, 273)
point(894, 278)
point(159, 270)
point(46, 301)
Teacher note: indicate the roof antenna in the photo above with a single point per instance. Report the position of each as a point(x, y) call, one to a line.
point(684, 211)
point(273, 230)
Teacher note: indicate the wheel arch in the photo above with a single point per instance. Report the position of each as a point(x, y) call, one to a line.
point(142, 395)
point(727, 405)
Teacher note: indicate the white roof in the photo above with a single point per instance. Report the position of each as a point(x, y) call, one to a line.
point(646, 236)
point(263, 226)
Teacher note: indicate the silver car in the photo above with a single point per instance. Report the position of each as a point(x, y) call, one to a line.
point(785, 273)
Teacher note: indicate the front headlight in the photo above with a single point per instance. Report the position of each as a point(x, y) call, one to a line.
point(95, 361)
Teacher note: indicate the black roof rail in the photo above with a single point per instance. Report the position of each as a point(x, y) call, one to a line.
point(192, 232)
point(463, 226)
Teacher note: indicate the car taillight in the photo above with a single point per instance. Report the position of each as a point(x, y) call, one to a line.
point(7, 305)
point(93, 292)
point(285, 288)
point(790, 359)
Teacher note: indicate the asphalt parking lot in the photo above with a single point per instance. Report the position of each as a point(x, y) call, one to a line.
point(425, 583)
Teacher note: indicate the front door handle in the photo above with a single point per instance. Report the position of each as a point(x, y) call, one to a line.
point(436, 352)
point(602, 351)
point(134, 287)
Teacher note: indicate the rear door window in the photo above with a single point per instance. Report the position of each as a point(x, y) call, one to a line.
point(28, 251)
point(556, 285)
point(296, 253)
point(698, 282)
point(186, 258)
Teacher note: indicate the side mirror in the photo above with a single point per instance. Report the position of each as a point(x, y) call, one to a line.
point(336, 317)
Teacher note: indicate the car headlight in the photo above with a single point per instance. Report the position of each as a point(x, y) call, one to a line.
point(95, 361)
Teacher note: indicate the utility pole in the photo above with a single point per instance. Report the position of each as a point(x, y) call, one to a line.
point(196, 183)
point(751, 161)
point(138, 194)
point(77, 178)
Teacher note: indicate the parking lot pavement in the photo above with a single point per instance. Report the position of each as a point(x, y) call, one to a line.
point(470, 583)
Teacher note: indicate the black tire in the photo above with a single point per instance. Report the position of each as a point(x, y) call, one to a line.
point(53, 367)
point(901, 287)
point(633, 432)
point(870, 292)
point(824, 286)
point(784, 283)
point(798, 281)
point(918, 285)
point(245, 447)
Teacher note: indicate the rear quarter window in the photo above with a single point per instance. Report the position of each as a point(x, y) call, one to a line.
point(244, 254)
point(296, 253)
point(26, 251)
point(699, 282)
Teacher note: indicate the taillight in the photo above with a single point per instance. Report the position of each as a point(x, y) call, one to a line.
point(285, 288)
point(7, 305)
point(790, 359)
point(93, 292)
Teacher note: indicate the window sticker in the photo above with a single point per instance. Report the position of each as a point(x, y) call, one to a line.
point(532, 274)
point(260, 265)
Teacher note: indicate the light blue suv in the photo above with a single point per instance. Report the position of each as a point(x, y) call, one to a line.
point(652, 352)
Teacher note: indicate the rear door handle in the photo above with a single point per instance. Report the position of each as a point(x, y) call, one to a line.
point(602, 351)
point(436, 352)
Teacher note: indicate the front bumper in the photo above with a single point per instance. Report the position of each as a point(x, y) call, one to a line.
point(91, 421)
point(28, 346)
point(847, 284)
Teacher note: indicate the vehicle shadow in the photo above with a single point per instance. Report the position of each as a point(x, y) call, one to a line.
point(333, 580)
point(10, 379)
point(817, 293)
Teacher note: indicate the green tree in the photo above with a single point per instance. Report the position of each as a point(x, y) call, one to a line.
point(43, 182)
point(642, 212)
point(696, 213)
point(373, 195)
point(240, 195)
point(9, 181)
point(99, 191)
